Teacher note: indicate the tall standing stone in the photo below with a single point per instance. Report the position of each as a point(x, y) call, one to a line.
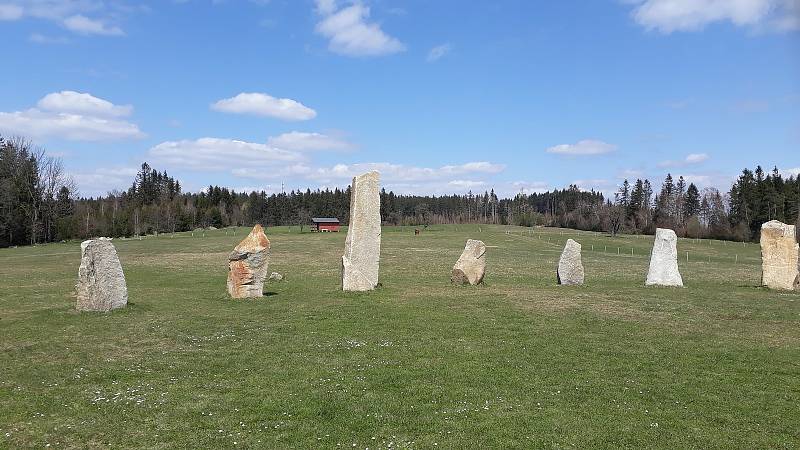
point(779, 254)
point(362, 248)
point(471, 266)
point(101, 283)
point(664, 260)
point(248, 264)
point(570, 266)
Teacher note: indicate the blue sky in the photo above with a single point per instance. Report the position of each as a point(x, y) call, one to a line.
point(440, 97)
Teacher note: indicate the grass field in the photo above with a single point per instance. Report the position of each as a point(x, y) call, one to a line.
point(518, 362)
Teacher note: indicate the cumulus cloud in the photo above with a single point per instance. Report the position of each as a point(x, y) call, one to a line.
point(350, 33)
point(795, 172)
point(103, 180)
point(692, 158)
point(265, 105)
point(84, 25)
point(10, 12)
point(400, 172)
point(529, 187)
point(598, 184)
point(583, 148)
point(281, 172)
point(39, 38)
point(214, 154)
point(84, 17)
point(438, 52)
point(73, 116)
point(298, 140)
point(668, 16)
point(82, 103)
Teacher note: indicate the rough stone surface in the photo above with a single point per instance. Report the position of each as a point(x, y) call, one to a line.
point(570, 266)
point(664, 260)
point(471, 266)
point(779, 253)
point(248, 264)
point(101, 283)
point(362, 249)
point(275, 276)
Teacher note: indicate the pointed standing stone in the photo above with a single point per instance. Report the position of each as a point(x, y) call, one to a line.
point(248, 264)
point(779, 254)
point(362, 248)
point(471, 266)
point(570, 266)
point(664, 260)
point(101, 282)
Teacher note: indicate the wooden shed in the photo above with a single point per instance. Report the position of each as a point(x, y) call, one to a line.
point(325, 224)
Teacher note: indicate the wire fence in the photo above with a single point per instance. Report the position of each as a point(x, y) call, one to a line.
point(689, 256)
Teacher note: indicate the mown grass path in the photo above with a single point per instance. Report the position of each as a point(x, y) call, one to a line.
point(517, 362)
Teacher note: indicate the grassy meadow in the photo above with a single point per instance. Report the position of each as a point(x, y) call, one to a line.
point(518, 362)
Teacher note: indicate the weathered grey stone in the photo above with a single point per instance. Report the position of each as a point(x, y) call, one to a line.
point(570, 266)
point(362, 249)
point(248, 264)
point(101, 282)
point(275, 276)
point(664, 260)
point(779, 256)
point(471, 266)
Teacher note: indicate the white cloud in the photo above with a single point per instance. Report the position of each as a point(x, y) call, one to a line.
point(466, 184)
point(529, 187)
point(75, 127)
point(698, 180)
point(82, 103)
point(584, 147)
point(438, 52)
point(101, 181)
point(297, 140)
point(213, 154)
point(351, 34)
point(598, 184)
point(39, 38)
point(10, 11)
point(667, 16)
point(284, 171)
point(696, 158)
point(400, 172)
point(84, 25)
point(265, 105)
point(72, 116)
point(630, 173)
point(795, 171)
point(87, 17)
point(692, 158)
point(325, 7)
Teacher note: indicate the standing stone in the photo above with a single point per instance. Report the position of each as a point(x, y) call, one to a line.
point(471, 266)
point(779, 253)
point(664, 260)
point(570, 266)
point(101, 283)
point(248, 264)
point(362, 248)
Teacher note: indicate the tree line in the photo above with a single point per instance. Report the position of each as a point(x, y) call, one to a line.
point(39, 203)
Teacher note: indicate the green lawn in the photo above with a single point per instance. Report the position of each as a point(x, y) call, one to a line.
point(518, 362)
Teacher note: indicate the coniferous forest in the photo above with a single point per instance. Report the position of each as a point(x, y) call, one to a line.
point(39, 203)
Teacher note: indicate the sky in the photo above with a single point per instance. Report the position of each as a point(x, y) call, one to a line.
point(441, 97)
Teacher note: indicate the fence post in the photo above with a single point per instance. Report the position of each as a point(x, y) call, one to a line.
point(687, 256)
